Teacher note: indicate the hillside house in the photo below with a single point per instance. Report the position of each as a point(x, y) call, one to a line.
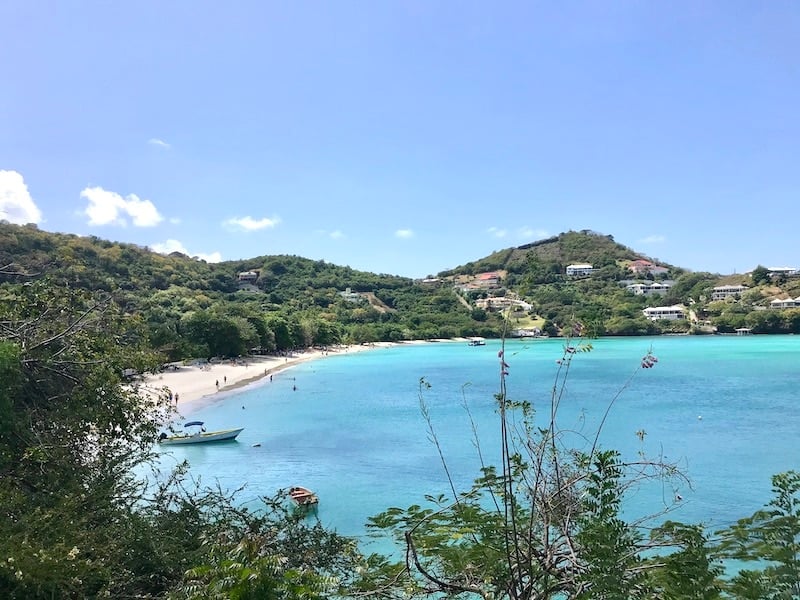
point(579, 270)
point(723, 292)
point(785, 271)
point(644, 267)
point(501, 303)
point(488, 280)
point(650, 288)
point(248, 277)
point(785, 303)
point(247, 281)
point(669, 313)
point(351, 296)
point(433, 282)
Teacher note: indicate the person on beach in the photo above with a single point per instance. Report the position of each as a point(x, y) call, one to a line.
point(217, 383)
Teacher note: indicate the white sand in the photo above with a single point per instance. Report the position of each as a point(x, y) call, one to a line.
point(190, 383)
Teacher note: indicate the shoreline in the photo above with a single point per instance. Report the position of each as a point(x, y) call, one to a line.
point(189, 384)
point(194, 385)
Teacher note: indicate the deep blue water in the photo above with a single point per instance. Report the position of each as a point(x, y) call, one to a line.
point(724, 408)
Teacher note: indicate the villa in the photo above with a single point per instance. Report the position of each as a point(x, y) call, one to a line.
point(351, 296)
point(247, 281)
point(643, 267)
point(579, 270)
point(723, 292)
point(669, 313)
point(655, 288)
point(785, 303)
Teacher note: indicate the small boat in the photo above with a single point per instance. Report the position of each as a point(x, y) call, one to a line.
point(199, 435)
point(476, 342)
point(303, 497)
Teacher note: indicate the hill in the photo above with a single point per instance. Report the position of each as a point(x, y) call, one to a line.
point(267, 303)
point(584, 246)
point(271, 302)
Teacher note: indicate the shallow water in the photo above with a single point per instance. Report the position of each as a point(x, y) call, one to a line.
point(724, 408)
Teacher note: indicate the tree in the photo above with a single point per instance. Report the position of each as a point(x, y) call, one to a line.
point(760, 275)
point(70, 439)
point(222, 335)
point(771, 539)
point(76, 438)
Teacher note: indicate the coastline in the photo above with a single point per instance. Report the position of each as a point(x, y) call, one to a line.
point(192, 384)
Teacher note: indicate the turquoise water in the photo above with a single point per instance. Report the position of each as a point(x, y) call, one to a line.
point(723, 408)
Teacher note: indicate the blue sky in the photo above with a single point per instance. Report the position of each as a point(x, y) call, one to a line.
point(406, 137)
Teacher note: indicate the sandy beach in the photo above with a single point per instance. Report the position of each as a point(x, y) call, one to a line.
point(189, 383)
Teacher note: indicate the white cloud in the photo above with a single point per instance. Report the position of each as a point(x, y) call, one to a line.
point(497, 232)
point(171, 246)
point(159, 143)
point(337, 235)
point(251, 224)
point(528, 233)
point(404, 234)
point(16, 204)
point(109, 208)
point(653, 239)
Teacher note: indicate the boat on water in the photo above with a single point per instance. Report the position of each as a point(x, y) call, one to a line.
point(476, 342)
point(197, 434)
point(303, 498)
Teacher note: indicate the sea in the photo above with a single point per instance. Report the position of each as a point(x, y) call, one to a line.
point(384, 428)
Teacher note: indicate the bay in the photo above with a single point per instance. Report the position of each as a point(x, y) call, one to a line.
point(350, 427)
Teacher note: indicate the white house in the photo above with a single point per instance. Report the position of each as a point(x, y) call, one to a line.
point(787, 271)
point(722, 292)
point(501, 302)
point(785, 303)
point(579, 270)
point(670, 313)
point(655, 288)
point(351, 296)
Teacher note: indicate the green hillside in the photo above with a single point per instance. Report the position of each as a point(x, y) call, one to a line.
point(193, 308)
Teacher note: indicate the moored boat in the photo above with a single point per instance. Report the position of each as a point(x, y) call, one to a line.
point(303, 497)
point(199, 435)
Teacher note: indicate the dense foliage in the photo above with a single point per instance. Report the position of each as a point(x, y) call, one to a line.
point(192, 308)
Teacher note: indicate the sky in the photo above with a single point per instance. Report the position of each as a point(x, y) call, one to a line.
point(406, 137)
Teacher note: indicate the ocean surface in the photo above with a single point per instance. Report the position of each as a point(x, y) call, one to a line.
point(724, 408)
